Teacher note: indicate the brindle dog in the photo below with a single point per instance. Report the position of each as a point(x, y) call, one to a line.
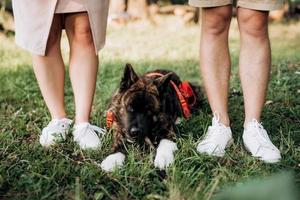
point(144, 111)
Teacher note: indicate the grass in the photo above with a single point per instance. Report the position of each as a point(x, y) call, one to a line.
point(27, 171)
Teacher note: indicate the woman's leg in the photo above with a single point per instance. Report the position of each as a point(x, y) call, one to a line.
point(215, 58)
point(50, 72)
point(83, 63)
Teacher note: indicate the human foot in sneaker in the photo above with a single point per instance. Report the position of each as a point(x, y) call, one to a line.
point(55, 131)
point(86, 135)
point(217, 138)
point(258, 143)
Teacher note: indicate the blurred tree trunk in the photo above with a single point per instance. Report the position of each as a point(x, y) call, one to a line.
point(6, 21)
point(138, 9)
point(117, 7)
point(6, 4)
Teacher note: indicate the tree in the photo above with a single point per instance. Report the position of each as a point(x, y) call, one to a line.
point(138, 9)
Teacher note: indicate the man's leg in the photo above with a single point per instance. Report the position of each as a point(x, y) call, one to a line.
point(255, 60)
point(215, 69)
point(215, 58)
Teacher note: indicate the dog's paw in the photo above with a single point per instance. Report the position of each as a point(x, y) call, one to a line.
point(165, 154)
point(163, 160)
point(113, 161)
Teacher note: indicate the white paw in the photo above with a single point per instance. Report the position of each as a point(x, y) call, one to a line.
point(165, 154)
point(113, 161)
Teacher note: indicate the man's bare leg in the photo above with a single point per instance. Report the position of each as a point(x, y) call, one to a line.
point(255, 60)
point(215, 58)
point(215, 69)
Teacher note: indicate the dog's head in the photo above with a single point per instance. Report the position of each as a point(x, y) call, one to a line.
point(140, 104)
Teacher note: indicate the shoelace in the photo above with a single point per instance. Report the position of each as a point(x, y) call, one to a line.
point(213, 130)
point(101, 131)
point(52, 126)
point(262, 135)
point(95, 129)
point(216, 127)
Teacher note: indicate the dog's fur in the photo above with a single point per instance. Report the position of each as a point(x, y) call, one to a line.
point(145, 110)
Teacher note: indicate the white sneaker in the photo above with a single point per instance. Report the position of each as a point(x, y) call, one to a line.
point(86, 136)
point(55, 131)
point(218, 137)
point(257, 141)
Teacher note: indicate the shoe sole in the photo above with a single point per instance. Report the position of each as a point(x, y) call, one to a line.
point(265, 161)
point(229, 144)
point(57, 138)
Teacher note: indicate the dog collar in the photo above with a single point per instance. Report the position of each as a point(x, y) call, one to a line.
point(110, 117)
point(184, 92)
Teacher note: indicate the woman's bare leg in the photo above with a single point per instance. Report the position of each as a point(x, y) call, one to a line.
point(83, 63)
point(50, 72)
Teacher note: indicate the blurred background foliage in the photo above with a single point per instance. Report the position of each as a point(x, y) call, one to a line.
point(122, 11)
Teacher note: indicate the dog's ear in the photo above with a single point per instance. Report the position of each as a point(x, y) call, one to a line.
point(129, 78)
point(162, 82)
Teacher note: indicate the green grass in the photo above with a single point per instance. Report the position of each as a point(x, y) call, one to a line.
point(27, 171)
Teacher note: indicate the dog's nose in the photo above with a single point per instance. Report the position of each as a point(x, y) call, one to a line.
point(134, 131)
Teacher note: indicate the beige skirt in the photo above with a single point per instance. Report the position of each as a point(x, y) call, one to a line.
point(33, 19)
point(70, 6)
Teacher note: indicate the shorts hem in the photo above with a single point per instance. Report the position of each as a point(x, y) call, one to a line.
point(208, 3)
point(260, 6)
